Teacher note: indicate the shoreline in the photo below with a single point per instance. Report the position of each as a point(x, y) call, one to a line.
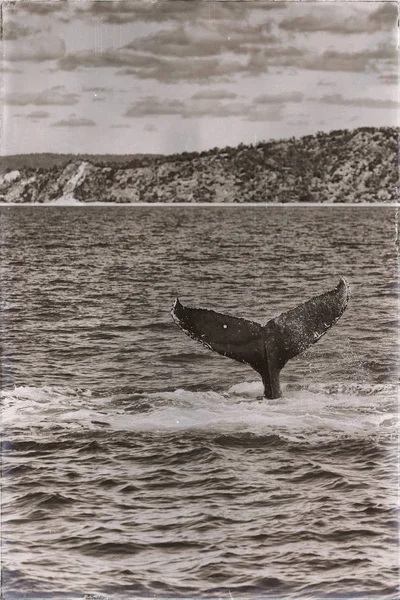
point(208, 204)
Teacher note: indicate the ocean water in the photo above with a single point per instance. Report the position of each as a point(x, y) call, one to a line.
point(138, 464)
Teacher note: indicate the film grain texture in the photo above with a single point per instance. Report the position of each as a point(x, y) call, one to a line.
point(138, 464)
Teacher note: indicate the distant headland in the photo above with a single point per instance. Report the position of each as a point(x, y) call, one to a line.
point(357, 165)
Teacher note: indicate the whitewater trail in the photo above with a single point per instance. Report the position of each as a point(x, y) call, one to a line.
point(306, 414)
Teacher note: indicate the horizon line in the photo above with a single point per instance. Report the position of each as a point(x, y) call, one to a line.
point(208, 204)
point(263, 141)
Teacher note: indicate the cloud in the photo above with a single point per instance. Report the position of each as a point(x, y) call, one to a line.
point(383, 52)
point(150, 128)
point(235, 10)
point(123, 12)
point(385, 17)
point(6, 69)
point(221, 51)
point(286, 57)
point(96, 90)
point(389, 78)
point(176, 43)
point(246, 112)
point(273, 113)
point(54, 96)
point(38, 114)
point(13, 30)
point(356, 62)
point(38, 49)
point(261, 59)
point(74, 121)
point(299, 122)
point(325, 83)
point(279, 98)
point(318, 22)
point(190, 51)
point(110, 57)
point(215, 109)
point(181, 70)
point(245, 39)
point(210, 40)
point(331, 60)
point(97, 93)
point(42, 8)
point(214, 43)
point(158, 107)
point(214, 95)
point(127, 71)
point(155, 107)
point(341, 19)
point(172, 56)
point(268, 6)
point(361, 102)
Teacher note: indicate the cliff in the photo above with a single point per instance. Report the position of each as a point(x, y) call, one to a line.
point(340, 166)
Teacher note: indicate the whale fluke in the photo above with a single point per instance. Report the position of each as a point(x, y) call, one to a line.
point(265, 348)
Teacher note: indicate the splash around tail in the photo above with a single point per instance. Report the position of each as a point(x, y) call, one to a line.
point(265, 348)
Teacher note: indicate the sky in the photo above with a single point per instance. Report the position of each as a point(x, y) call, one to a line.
point(166, 76)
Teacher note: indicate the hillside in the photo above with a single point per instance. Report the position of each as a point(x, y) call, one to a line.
point(340, 166)
point(46, 160)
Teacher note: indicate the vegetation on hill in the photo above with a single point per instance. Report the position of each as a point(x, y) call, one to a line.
point(47, 160)
point(341, 166)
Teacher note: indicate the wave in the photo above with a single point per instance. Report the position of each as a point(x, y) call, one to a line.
point(303, 414)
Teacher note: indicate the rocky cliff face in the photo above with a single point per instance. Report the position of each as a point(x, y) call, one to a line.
point(341, 166)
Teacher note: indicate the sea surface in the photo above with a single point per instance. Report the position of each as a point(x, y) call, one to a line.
point(138, 464)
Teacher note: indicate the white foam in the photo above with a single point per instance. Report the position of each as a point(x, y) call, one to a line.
point(303, 414)
point(251, 389)
point(43, 407)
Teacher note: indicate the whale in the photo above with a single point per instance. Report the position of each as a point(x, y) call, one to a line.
point(265, 348)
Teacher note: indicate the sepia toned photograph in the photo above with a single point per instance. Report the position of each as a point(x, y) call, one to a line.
point(199, 300)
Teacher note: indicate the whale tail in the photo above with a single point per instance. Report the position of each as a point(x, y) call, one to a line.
point(265, 348)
